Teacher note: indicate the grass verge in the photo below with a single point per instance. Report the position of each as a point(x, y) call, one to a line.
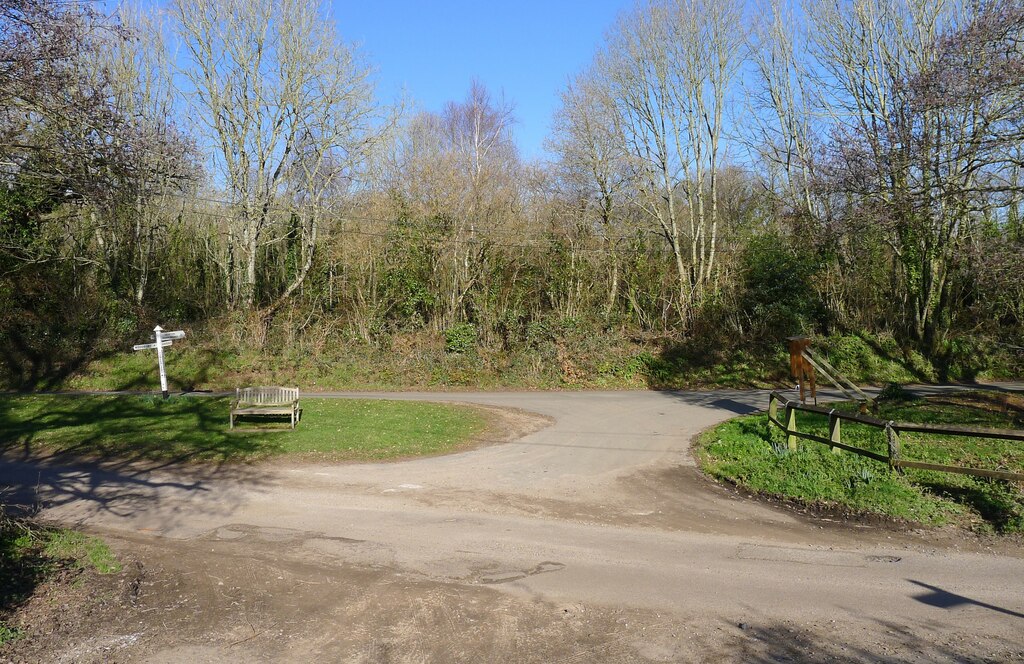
point(749, 452)
point(196, 428)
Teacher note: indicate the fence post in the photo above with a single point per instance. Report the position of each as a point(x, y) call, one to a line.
point(893, 441)
point(773, 406)
point(835, 433)
point(791, 427)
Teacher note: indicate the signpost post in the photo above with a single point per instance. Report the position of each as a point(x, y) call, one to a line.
point(163, 340)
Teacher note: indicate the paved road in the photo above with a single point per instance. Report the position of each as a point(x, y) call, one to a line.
point(602, 507)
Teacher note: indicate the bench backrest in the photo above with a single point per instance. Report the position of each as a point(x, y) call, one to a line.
point(267, 396)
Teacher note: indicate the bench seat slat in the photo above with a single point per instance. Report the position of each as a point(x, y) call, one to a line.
point(263, 410)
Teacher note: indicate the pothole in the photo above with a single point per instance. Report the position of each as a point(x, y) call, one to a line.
point(506, 576)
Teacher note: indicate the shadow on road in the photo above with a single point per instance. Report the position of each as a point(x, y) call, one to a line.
point(120, 455)
point(741, 402)
point(772, 642)
point(944, 599)
point(121, 489)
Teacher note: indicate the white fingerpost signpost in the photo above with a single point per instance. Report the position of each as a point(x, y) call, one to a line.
point(163, 340)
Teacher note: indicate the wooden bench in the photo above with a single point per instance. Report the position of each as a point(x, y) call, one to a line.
point(266, 401)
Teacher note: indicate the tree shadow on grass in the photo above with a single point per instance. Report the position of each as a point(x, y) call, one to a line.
point(901, 359)
point(131, 429)
point(186, 374)
point(24, 366)
point(1006, 404)
point(999, 508)
point(697, 363)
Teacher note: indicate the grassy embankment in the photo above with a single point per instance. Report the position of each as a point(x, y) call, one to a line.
point(752, 453)
point(578, 358)
point(196, 429)
point(30, 555)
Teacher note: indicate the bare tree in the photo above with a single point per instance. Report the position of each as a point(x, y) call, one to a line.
point(783, 111)
point(142, 89)
point(913, 124)
point(76, 119)
point(479, 134)
point(670, 68)
point(456, 174)
point(39, 46)
point(286, 104)
point(418, 169)
point(592, 163)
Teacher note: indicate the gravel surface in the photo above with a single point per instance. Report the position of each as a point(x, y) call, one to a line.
point(592, 537)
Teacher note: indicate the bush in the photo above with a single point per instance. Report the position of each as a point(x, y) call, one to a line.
point(894, 392)
point(460, 338)
point(778, 295)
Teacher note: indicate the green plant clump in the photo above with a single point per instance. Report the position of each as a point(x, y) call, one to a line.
point(460, 338)
point(9, 634)
point(83, 550)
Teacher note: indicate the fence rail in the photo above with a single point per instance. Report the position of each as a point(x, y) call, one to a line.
point(892, 435)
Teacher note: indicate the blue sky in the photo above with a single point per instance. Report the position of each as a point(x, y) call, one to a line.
point(526, 49)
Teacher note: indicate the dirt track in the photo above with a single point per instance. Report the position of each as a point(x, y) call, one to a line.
point(593, 538)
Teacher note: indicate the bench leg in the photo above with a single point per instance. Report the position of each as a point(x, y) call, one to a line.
point(231, 419)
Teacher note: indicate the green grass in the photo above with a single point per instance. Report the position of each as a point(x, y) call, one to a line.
point(83, 550)
point(56, 547)
point(750, 452)
point(196, 428)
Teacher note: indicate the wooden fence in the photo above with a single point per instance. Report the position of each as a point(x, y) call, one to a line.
point(892, 436)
